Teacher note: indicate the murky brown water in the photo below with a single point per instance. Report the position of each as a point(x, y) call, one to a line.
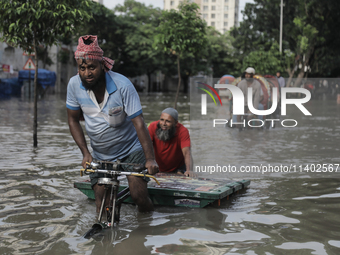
point(41, 212)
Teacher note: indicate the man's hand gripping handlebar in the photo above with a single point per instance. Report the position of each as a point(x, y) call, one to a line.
point(94, 167)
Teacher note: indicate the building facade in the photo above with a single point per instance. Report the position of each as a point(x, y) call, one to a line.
point(221, 14)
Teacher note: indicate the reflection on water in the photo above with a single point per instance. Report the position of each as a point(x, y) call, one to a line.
point(41, 212)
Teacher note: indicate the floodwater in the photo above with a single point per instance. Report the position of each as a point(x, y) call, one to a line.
point(41, 212)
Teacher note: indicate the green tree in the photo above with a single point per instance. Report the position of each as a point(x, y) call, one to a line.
point(310, 33)
point(42, 52)
point(247, 38)
point(181, 32)
point(215, 59)
point(137, 24)
point(265, 62)
point(220, 54)
point(30, 23)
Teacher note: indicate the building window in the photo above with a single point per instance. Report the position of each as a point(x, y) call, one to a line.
point(225, 24)
point(205, 16)
point(226, 8)
point(172, 3)
point(226, 1)
point(213, 1)
point(212, 23)
point(205, 8)
point(206, 1)
point(213, 15)
point(213, 8)
point(226, 16)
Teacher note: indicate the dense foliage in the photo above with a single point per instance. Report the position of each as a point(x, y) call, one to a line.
point(181, 33)
point(145, 40)
point(30, 23)
point(310, 36)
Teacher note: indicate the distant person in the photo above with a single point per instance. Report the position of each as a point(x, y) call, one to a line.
point(249, 81)
point(113, 118)
point(280, 79)
point(171, 142)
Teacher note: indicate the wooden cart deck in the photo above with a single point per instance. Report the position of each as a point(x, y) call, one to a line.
point(177, 190)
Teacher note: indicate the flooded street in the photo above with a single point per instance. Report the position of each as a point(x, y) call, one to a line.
point(41, 212)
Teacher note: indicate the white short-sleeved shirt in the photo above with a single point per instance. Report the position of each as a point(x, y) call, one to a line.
point(110, 129)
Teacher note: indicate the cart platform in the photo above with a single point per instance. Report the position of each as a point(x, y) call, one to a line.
point(178, 190)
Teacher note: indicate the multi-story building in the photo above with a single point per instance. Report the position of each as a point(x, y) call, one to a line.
point(221, 14)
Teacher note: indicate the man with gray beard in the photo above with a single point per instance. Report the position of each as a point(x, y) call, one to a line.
point(171, 143)
point(166, 134)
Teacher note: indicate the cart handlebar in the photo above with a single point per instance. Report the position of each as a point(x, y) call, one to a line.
point(92, 168)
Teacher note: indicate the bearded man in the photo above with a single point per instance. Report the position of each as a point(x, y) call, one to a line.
point(113, 119)
point(171, 142)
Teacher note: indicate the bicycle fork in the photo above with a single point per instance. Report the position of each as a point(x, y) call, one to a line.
point(113, 198)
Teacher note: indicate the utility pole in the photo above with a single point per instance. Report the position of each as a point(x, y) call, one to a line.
point(281, 25)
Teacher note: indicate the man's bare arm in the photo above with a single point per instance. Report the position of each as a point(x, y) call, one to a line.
point(78, 134)
point(188, 161)
point(145, 140)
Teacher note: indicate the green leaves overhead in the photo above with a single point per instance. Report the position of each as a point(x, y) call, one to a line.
point(137, 24)
point(23, 21)
point(30, 23)
point(310, 34)
point(265, 61)
point(181, 31)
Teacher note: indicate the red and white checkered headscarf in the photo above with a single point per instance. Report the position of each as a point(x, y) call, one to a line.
point(88, 48)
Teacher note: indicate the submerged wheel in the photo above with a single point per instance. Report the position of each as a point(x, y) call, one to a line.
point(108, 211)
point(116, 212)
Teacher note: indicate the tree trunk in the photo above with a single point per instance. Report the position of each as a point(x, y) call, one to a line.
point(305, 63)
point(35, 122)
point(149, 81)
point(299, 78)
point(301, 74)
point(291, 74)
point(179, 81)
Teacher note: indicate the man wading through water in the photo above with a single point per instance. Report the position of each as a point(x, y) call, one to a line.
point(113, 119)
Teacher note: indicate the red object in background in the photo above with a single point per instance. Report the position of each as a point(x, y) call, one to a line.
point(272, 79)
point(309, 86)
point(28, 54)
point(265, 99)
point(5, 68)
point(223, 79)
point(29, 65)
